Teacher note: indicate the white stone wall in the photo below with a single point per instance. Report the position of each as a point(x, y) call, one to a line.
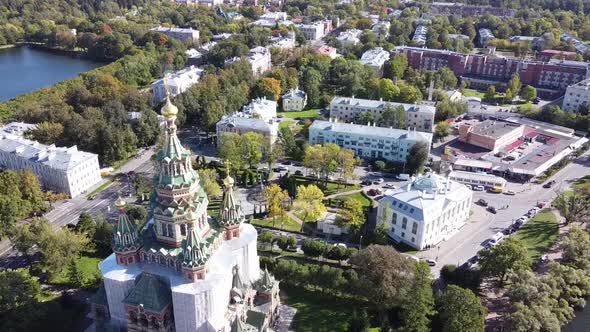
point(118, 282)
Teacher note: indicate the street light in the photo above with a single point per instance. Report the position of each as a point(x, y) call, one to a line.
point(360, 243)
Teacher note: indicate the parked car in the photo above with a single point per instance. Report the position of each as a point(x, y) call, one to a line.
point(482, 202)
point(283, 168)
point(522, 220)
point(469, 186)
point(496, 190)
point(403, 177)
point(540, 205)
point(479, 188)
point(496, 239)
point(366, 183)
point(286, 162)
point(509, 193)
point(379, 181)
point(431, 262)
point(389, 186)
point(491, 209)
point(91, 198)
point(549, 184)
point(374, 192)
point(298, 172)
point(276, 169)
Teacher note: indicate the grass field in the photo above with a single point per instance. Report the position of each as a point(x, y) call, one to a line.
point(307, 114)
point(331, 188)
point(473, 93)
point(539, 234)
point(581, 182)
point(88, 267)
point(367, 202)
point(288, 224)
point(317, 313)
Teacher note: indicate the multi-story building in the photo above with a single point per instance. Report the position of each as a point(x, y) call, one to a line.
point(485, 36)
point(459, 36)
point(420, 117)
point(579, 45)
point(175, 83)
point(349, 37)
point(490, 134)
point(240, 123)
point(294, 100)
point(327, 50)
point(428, 210)
point(261, 108)
point(551, 78)
point(186, 271)
point(59, 169)
point(381, 29)
point(463, 10)
point(375, 58)
point(259, 59)
point(271, 19)
point(368, 142)
point(182, 34)
point(316, 30)
point(420, 35)
point(577, 95)
point(284, 43)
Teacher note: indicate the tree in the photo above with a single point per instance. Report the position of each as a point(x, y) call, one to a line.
point(508, 96)
point(490, 94)
point(395, 67)
point(576, 249)
point(528, 93)
point(309, 200)
point(508, 255)
point(353, 215)
point(267, 237)
point(359, 322)
point(417, 306)
point(268, 88)
point(11, 210)
point(23, 241)
point(459, 309)
point(74, 274)
point(85, 224)
point(30, 189)
point(231, 149)
point(573, 206)
point(137, 213)
point(416, 157)
point(514, 84)
point(252, 147)
point(46, 132)
point(275, 199)
point(387, 90)
point(103, 234)
point(365, 118)
point(273, 152)
point(384, 276)
point(18, 289)
point(310, 83)
point(442, 130)
point(313, 248)
point(210, 185)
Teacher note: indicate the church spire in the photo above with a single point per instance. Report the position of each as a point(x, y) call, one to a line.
point(194, 253)
point(125, 241)
point(231, 215)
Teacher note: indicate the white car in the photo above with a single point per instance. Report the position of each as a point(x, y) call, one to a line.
point(389, 186)
point(479, 188)
point(379, 181)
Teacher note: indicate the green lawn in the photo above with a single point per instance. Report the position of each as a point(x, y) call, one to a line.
point(88, 267)
point(288, 224)
point(581, 182)
point(285, 124)
point(539, 234)
point(473, 93)
point(311, 114)
point(331, 188)
point(317, 313)
point(366, 201)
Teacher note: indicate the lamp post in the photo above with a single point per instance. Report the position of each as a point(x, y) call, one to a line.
point(361, 243)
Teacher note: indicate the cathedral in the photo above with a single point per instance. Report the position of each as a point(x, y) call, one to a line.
point(185, 271)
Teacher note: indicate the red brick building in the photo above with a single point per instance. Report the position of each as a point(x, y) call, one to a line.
point(551, 78)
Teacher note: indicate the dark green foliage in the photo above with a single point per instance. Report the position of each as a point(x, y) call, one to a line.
point(417, 157)
point(313, 248)
point(459, 309)
point(462, 277)
point(359, 321)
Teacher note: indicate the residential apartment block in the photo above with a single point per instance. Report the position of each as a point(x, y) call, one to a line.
point(368, 142)
point(59, 169)
point(375, 58)
point(577, 95)
point(551, 78)
point(316, 30)
point(419, 117)
point(176, 83)
point(349, 37)
point(182, 34)
point(240, 123)
point(485, 36)
point(381, 29)
point(428, 210)
point(420, 35)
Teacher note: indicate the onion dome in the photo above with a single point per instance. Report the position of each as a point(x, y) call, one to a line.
point(169, 110)
point(228, 181)
point(120, 203)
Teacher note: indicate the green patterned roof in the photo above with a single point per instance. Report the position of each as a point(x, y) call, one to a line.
point(256, 319)
point(150, 292)
point(240, 326)
point(125, 236)
point(194, 254)
point(230, 211)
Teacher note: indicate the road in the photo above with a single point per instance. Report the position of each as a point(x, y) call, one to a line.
point(482, 224)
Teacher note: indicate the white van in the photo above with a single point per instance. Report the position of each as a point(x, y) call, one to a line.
point(496, 239)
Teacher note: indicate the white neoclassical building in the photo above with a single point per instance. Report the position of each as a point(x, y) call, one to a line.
point(177, 83)
point(262, 108)
point(294, 100)
point(60, 169)
point(428, 210)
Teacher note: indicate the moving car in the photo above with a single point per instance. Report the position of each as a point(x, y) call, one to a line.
point(482, 202)
point(496, 190)
point(298, 172)
point(549, 184)
point(509, 193)
point(491, 209)
point(478, 188)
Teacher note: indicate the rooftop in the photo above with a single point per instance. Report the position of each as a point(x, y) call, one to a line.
point(375, 57)
point(62, 158)
point(381, 104)
point(176, 30)
point(294, 93)
point(486, 33)
point(492, 128)
point(342, 127)
point(584, 84)
point(240, 120)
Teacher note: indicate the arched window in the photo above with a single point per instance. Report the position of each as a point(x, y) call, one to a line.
point(394, 219)
point(404, 222)
point(183, 230)
point(170, 231)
